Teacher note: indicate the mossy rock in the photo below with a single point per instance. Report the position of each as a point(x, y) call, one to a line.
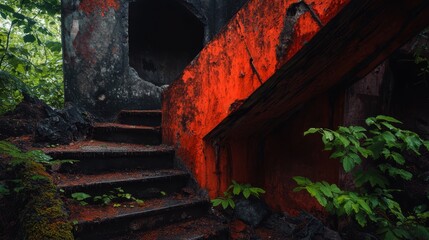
point(44, 216)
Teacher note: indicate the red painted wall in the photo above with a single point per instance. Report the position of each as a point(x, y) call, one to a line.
point(241, 58)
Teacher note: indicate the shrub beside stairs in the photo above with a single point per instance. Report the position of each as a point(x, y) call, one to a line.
point(129, 154)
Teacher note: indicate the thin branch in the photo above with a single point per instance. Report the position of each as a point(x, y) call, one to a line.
point(7, 44)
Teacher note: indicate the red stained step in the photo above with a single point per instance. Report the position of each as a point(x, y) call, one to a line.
point(100, 222)
point(140, 117)
point(202, 228)
point(94, 159)
point(115, 132)
point(142, 184)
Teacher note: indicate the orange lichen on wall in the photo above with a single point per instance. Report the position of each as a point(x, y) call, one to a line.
point(230, 68)
point(98, 6)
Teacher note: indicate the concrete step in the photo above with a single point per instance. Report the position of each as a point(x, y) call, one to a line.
point(101, 222)
point(98, 159)
point(141, 184)
point(115, 132)
point(150, 118)
point(205, 228)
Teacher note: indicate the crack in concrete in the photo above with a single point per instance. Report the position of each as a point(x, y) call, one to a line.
point(250, 54)
point(314, 15)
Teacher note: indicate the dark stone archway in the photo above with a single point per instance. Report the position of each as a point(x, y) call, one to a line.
point(164, 37)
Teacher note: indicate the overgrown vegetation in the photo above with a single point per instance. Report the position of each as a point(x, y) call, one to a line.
point(375, 157)
point(115, 196)
point(41, 213)
point(30, 52)
point(236, 190)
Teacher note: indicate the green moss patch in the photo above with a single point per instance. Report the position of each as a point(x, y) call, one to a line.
point(43, 216)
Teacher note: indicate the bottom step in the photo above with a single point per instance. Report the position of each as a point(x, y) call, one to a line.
point(100, 222)
point(198, 229)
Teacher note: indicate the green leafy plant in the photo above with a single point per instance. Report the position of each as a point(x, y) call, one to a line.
point(81, 197)
point(373, 199)
point(114, 196)
point(236, 190)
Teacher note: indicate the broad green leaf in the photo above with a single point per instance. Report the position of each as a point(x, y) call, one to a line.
point(328, 135)
point(259, 190)
point(337, 154)
point(357, 129)
point(413, 143)
point(225, 204)
point(388, 136)
point(344, 130)
point(80, 196)
point(246, 193)
point(348, 207)
point(348, 163)
point(343, 140)
point(361, 219)
point(370, 121)
point(398, 158)
point(326, 191)
point(388, 125)
point(231, 203)
point(302, 181)
point(387, 119)
point(317, 194)
point(364, 206)
point(216, 202)
point(335, 189)
point(393, 171)
point(364, 152)
point(236, 190)
point(311, 131)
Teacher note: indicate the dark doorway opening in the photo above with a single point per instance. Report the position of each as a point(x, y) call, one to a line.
point(164, 37)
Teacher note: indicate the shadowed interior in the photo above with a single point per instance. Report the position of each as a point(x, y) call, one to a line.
point(163, 38)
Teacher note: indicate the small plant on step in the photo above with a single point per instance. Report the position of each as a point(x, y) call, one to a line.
point(81, 197)
point(236, 190)
point(372, 203)
point(114, 196)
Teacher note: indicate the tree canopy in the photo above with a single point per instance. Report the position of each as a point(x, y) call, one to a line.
point(30, 52)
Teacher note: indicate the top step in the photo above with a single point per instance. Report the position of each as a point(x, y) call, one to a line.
point(150, 118)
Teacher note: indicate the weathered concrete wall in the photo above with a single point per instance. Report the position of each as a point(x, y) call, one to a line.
point(97, 72)
point(256, 42)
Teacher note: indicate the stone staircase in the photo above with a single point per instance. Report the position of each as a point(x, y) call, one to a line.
point(129, 154)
